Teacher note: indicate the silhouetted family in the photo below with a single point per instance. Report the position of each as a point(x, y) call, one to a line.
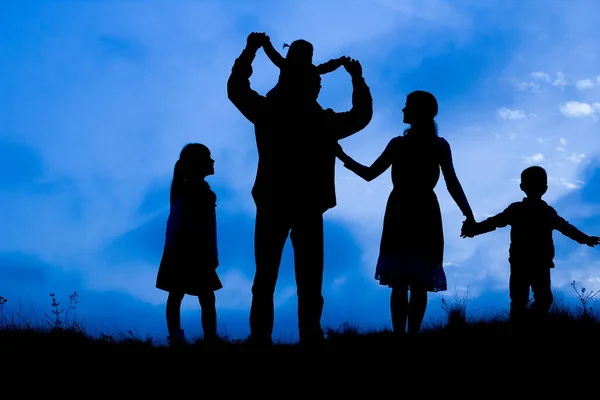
point(298, 143)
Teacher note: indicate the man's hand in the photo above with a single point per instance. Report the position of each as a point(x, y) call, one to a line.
point(593, 241)
point(352, 66)
point(255, 40)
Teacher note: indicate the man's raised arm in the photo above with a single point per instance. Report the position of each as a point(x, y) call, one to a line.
point(239, 92)
point(350, 122)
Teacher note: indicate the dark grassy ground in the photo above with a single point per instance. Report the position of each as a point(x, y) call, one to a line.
point(460, 353)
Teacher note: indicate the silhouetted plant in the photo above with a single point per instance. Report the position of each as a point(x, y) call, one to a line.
point(456, 310)
point(345, 330)
point(60, 316)
point(3, 320)
point(585, 299)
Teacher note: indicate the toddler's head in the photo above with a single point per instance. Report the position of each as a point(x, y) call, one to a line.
point(300, 52)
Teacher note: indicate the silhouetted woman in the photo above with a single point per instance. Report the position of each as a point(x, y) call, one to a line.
point(190, 256)
point(412, 241)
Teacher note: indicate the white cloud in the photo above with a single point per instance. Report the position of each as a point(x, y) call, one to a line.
point(534, 159)
point(585, 84)
point(560, 80)
point(533, 86)
point(506, 113)
point(543, 76)
point(577, 157)
point(579, 109)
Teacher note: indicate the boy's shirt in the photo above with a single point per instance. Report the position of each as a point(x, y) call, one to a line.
point(532, 223)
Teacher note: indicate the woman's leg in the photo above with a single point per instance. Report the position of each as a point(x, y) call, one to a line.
point(416, 308)
point(399, 308)
point(174, 313)
point(209, 315)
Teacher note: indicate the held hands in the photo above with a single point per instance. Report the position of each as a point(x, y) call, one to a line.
point(352, 66)
point(255, 40)
point(593, 241)
point(468, 229)
point(339, 152)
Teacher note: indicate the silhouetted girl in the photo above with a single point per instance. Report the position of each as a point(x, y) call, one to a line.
point(190, 256)
point(412, 241)
point(298, 60)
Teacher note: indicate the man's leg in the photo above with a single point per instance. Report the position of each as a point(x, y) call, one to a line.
point(307, 239)
point(542, 295)
point(270, 233)
point(519, 294)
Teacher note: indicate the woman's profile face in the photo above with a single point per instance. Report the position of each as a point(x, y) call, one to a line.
point(408, 112)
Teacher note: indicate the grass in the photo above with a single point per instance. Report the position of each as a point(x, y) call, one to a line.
point(460, 345)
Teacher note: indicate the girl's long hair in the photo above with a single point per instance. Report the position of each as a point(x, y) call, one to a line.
point(185, 168)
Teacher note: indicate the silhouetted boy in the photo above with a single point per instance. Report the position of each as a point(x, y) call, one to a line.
point(531, 252)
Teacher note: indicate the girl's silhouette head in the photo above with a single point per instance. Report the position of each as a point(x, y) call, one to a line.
point(420, 111)
point(195, 163)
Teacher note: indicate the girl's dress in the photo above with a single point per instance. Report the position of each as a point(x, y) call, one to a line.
point(412, 242)
point(190, 256)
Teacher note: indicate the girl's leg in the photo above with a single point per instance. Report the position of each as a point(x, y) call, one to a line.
point(174, 314)
point(416, 308)
point(209, 315)
point(399, 308)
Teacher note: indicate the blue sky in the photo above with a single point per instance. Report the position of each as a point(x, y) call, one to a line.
point(98, 97)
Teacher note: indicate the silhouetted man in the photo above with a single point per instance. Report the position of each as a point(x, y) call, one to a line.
point(296, 140)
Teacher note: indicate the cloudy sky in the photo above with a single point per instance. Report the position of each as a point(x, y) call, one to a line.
point(98, 97)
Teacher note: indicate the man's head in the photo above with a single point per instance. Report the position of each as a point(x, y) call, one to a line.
point(534, 182)
point(301, 84)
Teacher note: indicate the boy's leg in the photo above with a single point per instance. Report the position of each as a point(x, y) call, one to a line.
point(209, 315)
point(519, 294)
point(542, 294)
